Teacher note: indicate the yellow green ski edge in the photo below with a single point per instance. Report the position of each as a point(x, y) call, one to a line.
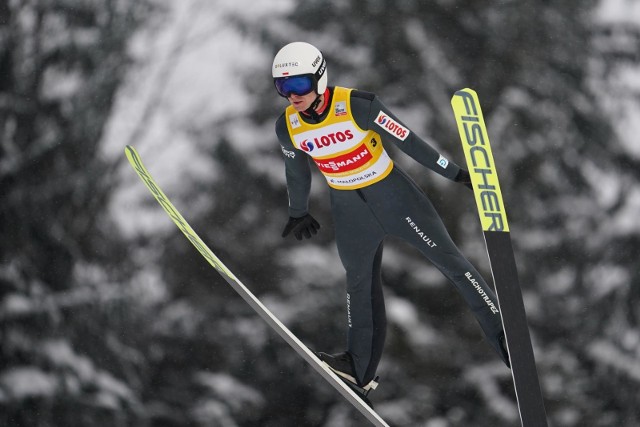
point(482, 168)
point(245, 293)
point(136, 162)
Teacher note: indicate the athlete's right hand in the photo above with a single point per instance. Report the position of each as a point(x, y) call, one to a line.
point(304, 226)
point(464, 178)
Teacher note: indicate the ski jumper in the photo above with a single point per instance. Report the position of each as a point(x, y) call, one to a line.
point(372, 198)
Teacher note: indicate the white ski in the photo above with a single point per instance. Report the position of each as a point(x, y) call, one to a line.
point(245, 293)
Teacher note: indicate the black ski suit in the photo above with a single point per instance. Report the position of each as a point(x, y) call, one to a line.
point(370, 202)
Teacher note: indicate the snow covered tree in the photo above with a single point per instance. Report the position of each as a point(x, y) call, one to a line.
point(79, 345)
point(61, 63)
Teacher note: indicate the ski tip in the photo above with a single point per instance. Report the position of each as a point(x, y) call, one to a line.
point(130, 152)
point(132, 155)
point(466, 90)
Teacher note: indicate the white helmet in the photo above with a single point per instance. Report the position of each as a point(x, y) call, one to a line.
point(300, 58)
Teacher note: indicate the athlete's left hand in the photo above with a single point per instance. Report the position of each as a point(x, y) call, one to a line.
point(464, 178)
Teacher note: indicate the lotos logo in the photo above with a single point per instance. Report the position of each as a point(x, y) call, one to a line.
point(326, 140)
point(391, 126)
point(306, 145)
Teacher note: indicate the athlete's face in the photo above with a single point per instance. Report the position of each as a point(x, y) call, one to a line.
point(302, 102)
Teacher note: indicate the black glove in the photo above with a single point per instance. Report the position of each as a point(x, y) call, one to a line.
point(464, 178)
point(303, 226)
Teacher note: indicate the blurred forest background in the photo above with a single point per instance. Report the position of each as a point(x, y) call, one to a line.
point(109, 317)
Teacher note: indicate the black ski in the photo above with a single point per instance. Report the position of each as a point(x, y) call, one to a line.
point(484, 177)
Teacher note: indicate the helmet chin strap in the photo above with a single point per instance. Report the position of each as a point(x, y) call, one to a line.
point(312, 108)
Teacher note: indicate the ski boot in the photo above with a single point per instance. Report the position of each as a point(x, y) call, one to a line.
point(342, 365)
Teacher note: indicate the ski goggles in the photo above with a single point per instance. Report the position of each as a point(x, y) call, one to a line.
point(295, 85)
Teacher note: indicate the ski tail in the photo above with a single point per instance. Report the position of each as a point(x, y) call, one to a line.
point(246, 294)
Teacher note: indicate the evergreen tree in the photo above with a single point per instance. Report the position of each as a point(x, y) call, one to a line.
point(61, 64)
